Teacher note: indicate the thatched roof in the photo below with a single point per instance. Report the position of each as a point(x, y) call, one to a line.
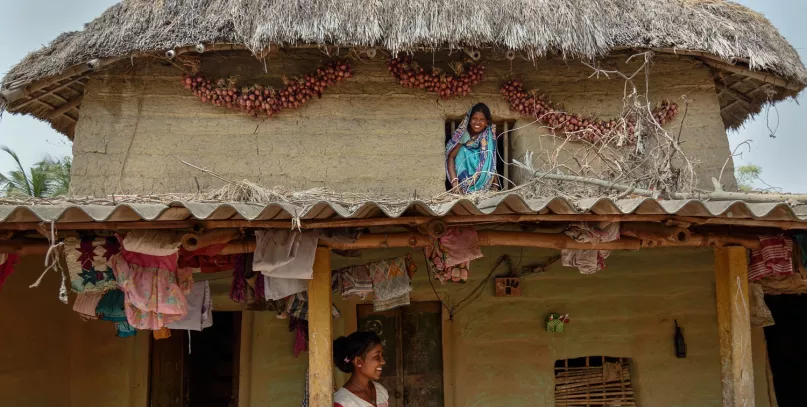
point(713, 30)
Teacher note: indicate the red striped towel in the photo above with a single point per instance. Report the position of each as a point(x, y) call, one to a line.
point(773, 258)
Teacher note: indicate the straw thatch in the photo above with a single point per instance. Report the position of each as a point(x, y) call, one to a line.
point(591, 28)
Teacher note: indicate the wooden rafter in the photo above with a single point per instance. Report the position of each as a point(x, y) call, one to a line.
point(65, 108)
point(52, 91)
point(758, 75)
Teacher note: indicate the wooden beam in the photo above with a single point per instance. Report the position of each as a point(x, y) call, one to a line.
point(758, 75)
point(65, 108)
point(734, 327)
point(402, 221)
point(320, 332)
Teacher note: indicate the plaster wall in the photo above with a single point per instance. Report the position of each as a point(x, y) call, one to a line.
point(365, 135)
point(497, 352)
point(51, 358)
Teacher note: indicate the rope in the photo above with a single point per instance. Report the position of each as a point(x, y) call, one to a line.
point(52, 262)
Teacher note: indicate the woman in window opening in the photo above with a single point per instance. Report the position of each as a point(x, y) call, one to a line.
point(471, 153)
point(360, 354)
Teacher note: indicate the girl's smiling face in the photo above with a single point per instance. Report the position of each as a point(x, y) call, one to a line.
point(478, 123)
point(371, 365)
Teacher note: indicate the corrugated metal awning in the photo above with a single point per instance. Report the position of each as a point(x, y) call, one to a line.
point(507, 204)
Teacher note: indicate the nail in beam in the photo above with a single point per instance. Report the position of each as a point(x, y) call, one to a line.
point(320, 332)
point(734, 327)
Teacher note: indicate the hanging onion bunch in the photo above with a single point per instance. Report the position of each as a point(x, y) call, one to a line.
point(258, 99)
point(575, 126)
point(410, 75)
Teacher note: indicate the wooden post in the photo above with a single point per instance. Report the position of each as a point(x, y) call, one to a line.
point(734, 327)
point(320, 350)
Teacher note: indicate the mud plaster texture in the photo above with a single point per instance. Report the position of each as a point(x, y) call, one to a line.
point(365, 135)
point(503, 356)
point(51, 358)
point(498, 350)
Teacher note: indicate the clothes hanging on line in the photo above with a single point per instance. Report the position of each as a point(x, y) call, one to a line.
point(391, 282)
point(773, 258)
point(152, 242)
point(111, 308)
point(155, 288)
point(7, 263)
point(207, 259)
point(248, 286)
point(285, 253)
point(86, 303)
point(87, 263)
point(200, 309)
point(450, 255)
point(589, 261)
point(354, 281)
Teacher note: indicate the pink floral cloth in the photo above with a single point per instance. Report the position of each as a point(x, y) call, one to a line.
point(154, 286)
point(450, 255)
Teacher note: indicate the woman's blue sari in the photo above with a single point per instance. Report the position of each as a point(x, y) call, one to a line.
point(476, 159)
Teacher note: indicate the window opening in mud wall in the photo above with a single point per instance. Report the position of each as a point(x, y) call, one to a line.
point(593, 381)
point(503, 136)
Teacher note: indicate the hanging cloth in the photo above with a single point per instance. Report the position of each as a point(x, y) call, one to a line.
point(207, 259)
point(155, 288)
point(87, 263)
point(152, 242)
point(773, 258)
point(86, 303)
point(354, 281)
point(589, 261)
point(200, 309)
point(7, 263)
point(391, 282)
point(111, 308)
point(450, 256)
point(285, 253)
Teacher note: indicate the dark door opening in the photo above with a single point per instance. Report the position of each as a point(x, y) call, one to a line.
point(413, 349)
point(205, 377)
point(786, 347)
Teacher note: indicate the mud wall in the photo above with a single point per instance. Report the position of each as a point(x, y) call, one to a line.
point(51, 358)
point(365, 135)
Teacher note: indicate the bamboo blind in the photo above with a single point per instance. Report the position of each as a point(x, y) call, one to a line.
point(593, 381)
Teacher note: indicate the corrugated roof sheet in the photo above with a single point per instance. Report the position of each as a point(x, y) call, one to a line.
point(510, 204)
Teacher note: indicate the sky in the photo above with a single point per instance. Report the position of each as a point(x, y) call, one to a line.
point(29, 24)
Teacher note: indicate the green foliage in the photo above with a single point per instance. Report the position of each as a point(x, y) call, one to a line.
point(746, 175)
point(47, 178)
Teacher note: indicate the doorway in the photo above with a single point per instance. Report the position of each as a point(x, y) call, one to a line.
point(786, 347)
point(200, 371)
point(413, 348)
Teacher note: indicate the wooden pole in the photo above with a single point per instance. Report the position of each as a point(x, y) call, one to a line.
point(402, 221)
point(320, 351)
point(486, 238)
point(734, 326)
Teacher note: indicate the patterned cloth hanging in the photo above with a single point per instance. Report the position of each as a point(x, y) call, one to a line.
point(155, 288)
point(391, 282)
point(589, 261)
point(87, 260)
point(773, 258)
point(450, 256)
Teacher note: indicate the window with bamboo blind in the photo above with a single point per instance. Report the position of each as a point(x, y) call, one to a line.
point(593, 381)
point(504, 131)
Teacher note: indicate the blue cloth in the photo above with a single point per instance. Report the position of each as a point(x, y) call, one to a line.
point(110, 308)
point(476, 159)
